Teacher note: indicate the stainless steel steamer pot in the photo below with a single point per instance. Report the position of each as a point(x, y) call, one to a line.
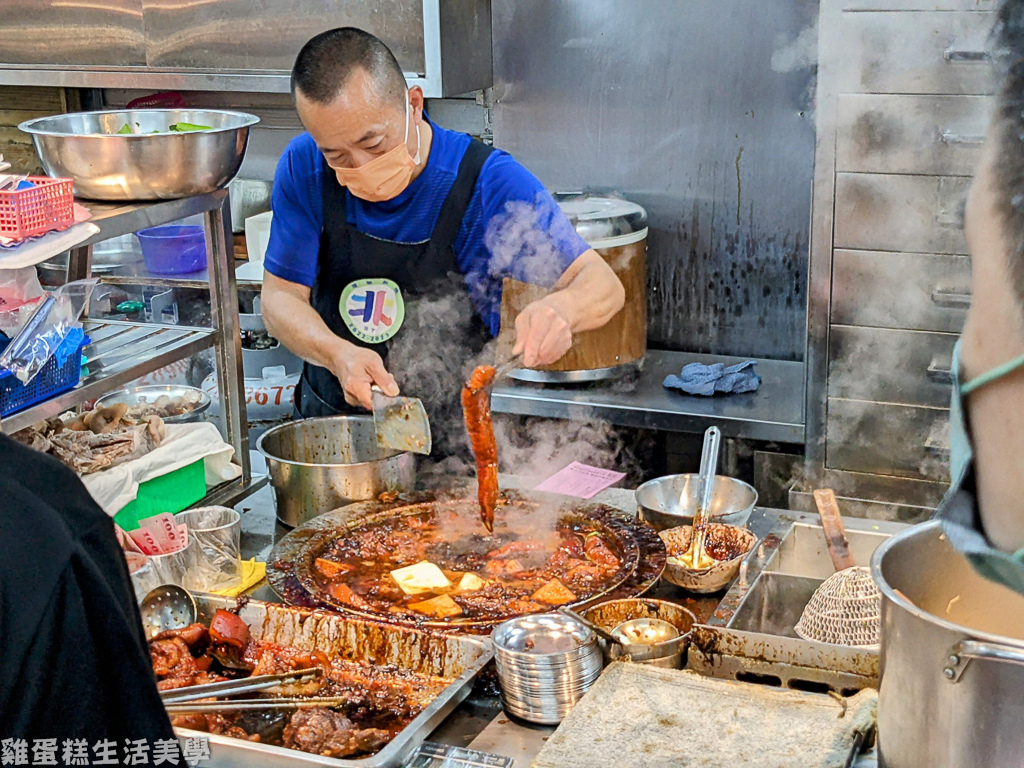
point(952, 658)
point(317, 465)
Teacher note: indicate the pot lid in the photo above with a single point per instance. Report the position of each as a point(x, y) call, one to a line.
point(603, 221)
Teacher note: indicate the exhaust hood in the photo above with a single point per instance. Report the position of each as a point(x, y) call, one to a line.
point(444, 46)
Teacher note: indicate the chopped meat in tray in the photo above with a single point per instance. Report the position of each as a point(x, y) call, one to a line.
point(379, 701)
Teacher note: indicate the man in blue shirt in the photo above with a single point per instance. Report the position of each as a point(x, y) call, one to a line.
point(391, 237)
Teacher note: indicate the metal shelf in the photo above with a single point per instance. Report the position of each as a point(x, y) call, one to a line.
point(201, 279)
point(121, 352)
point(116, 219)
point(118, 353)
point(230, 493)
point(773, 413)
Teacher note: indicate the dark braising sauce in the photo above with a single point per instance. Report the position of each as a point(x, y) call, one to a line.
point(519, 568)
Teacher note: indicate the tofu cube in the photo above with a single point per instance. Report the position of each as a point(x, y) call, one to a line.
point(420, 578)
point(470, 582)
point(441, 607)
point(554, 593)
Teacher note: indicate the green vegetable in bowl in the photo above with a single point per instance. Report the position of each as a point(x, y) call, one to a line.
point(173, 128)
point(188, 127)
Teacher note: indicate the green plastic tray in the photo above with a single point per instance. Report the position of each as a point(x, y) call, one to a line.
point(172, 493)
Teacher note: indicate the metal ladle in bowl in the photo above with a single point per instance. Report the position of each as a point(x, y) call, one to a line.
point(603, 634)
point(697, 556)
point(645, 631)
point(167, 607)
point(635, 637)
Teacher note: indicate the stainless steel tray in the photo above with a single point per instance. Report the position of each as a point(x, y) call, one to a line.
point(750, 638)
point(458, 659)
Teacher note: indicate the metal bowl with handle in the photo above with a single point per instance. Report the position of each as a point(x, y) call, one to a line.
point(671, 501)
point(669, 653)
point(151, 163)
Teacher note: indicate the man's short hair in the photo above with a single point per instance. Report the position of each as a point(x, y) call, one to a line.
point(1009, 116)
point(328, 60)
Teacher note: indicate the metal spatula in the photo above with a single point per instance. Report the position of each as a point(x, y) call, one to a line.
point(401, 423)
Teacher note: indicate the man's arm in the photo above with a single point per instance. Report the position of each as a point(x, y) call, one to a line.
point(291, 319)
point(586, 296)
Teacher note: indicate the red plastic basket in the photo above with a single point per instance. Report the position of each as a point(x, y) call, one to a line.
point(47, 206)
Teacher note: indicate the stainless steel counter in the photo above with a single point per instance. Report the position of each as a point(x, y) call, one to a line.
point(775, 412)
point(479, 723)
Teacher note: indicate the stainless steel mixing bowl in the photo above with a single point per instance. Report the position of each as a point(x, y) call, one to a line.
point(671, 501)
point(143, 165)
point(317, 465)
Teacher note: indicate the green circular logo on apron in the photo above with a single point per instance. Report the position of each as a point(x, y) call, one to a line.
point(372, 309)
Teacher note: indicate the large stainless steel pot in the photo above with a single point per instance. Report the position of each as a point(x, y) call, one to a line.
point(317, 465)
point(152, 164)
point(952, 658)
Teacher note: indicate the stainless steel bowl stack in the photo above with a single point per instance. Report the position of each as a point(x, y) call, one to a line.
point(545, 665)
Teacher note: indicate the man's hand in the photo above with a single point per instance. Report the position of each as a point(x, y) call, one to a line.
point(358, 368)
point(586, 296)
point(543, 333)
point(290, 318)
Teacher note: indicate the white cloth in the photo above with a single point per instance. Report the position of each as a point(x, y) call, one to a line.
point(184, 444)
point(36, 250)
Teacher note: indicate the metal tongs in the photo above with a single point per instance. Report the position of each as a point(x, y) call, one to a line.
point(186, 700)
point(509, 365)
point(242, 705)
point(236, 687)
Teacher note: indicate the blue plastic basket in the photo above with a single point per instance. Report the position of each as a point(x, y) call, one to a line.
point(51, 380)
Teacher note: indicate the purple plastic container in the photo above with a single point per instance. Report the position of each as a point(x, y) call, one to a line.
point(173, 250)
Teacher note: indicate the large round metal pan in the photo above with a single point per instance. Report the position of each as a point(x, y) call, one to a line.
point(290, 569)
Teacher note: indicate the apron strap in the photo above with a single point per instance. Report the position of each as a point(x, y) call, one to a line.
point(453, 211)
point(334, 199)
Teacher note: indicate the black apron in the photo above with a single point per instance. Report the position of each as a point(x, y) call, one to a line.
point(441, 331)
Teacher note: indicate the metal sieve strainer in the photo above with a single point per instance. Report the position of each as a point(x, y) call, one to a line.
point(846, 608)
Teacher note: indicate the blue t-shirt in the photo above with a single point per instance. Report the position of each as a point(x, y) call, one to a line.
point(512, 227)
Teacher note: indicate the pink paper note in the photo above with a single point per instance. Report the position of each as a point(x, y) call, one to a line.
point(580, 480)
point(146, 540)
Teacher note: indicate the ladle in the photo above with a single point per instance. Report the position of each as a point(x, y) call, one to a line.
point(603, 634)
point(644, 631)
point(167, 607)
point(701, 518)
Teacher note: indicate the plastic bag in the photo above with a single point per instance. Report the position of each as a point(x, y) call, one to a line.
point(20, 292)
point(54, 320)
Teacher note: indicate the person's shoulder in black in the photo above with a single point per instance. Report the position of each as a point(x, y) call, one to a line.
point(74, 662)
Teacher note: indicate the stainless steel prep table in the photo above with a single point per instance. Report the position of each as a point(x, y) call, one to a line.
point(775, 412)
point(479, 723)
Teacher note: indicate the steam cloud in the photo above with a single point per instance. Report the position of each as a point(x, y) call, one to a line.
point(801, 53)
point(431, 360)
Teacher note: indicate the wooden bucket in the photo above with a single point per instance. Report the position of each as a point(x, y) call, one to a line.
point(622, 340)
